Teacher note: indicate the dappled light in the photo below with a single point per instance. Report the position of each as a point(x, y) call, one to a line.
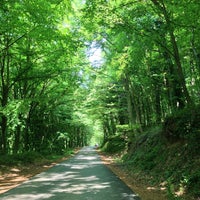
point(81, 177)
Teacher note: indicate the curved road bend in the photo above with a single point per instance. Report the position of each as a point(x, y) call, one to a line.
point(82, 177)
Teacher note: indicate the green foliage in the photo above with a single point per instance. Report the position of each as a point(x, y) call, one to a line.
point(144, 56)
point(171, 191)
point(194, 184)
point(159, 161)
point(59, 144)
point(29, 158)
point(184, 125)
point(114, 144)
point(147, 147)
point(23, 158)
point(39, 75)
point(8, 160)
point(123, 129)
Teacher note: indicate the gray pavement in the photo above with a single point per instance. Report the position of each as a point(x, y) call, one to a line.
point(82, 177)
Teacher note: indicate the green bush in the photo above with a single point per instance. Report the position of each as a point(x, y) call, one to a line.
point(28, 157)
point(194, 184)
point(183, 125)
point(8, 160)
point(145, 158)
point(114, 144)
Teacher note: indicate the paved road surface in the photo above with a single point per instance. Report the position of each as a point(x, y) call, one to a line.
point(82, 177)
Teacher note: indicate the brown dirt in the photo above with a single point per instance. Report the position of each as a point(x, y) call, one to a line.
point(13, 176)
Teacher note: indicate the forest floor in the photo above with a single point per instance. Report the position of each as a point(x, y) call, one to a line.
point(11, 177)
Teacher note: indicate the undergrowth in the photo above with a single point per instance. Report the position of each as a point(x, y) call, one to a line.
point(175, 164)
point(31, 157)
point(167, 155)
point(114, 144)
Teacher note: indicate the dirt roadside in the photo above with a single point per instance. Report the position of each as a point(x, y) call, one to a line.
point(10, 177)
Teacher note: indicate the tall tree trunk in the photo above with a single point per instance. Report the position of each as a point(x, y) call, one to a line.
point(5, 91)
point(26, 136)
point(5, 80)
point(129, 104)
point(180, 76)
point(16, 144)
point(112, 123)
point(132, 105)
point(157, 104)
point(4, 134)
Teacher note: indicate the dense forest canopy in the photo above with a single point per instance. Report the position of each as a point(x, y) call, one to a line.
point(55, 94)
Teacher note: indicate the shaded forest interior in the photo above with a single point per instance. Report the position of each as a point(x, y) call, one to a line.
point(75, 73)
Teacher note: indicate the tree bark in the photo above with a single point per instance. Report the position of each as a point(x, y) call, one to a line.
point(132, 105)
point(132, 119)
point(180, 76)
point(5, 80)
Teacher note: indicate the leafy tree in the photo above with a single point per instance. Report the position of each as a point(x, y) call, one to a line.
point(142, 46)
point(36, 69)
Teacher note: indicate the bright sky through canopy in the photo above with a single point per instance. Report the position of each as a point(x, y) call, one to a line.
point(95, 56)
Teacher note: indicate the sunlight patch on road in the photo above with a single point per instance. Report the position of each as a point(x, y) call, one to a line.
point(86, 158)
point(90, 178)
point(82, 188)
point(28, 196)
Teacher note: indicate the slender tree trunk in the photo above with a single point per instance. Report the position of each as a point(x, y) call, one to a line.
point(78, 137)
point(3, 124)
point(4, 134)
point(149, 110)
point(132, 105)
point(195, 64)
point(175, 93)
point(17, 140)
point(132, 119)
point(26, 136)
point(176, 54)
point(158, 104)
point(112, 124)
point(5, 80)
point(105, 128)
point(180, 76)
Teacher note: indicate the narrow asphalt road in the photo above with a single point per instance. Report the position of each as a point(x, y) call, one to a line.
point(82, 177)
